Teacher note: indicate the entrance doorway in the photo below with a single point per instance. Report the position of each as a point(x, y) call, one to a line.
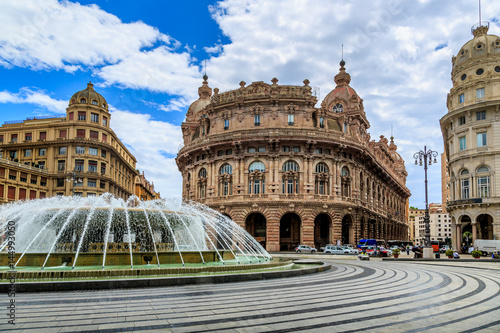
point(321, 230)
point(256, 226)
point(289, 231)
point(347, 230)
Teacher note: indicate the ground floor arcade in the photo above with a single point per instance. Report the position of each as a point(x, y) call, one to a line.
point(467, 226)
point(282, 228)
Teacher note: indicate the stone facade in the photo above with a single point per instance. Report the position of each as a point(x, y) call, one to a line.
point(292, 173)
point(38, 154)
point(471, 131)
point(144, 189)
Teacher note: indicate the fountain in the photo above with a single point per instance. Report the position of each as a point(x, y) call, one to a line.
point(104, 231)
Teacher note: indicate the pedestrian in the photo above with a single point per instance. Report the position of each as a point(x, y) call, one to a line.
point(455, 255)
point(408, 250)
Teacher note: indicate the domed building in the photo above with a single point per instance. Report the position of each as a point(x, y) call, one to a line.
point(470, 132)
point(291, 173)
point(78, 153)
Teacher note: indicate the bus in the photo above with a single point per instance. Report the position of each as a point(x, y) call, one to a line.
point(371, 242)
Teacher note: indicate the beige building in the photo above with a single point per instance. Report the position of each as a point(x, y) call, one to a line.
point(445, 181)
point(414, 215)
point(439, 223)
point(38, 154)
point(144, 189)
point(292, 173)
point(471, 133)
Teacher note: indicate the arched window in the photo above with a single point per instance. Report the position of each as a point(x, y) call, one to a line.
point(94, 102)
point(483, 181)
point(345, 182)
point(256, 178)
point(338, 108)
point(225, 180)
point(464, 184)
point(290, 181)
point(202, 183)
point(321, 179)
point(83, 101)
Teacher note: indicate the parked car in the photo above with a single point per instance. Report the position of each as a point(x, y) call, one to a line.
point(350, 250)
point(444, 248)
point(305, 248)
point(322, 249)
point(333, 249)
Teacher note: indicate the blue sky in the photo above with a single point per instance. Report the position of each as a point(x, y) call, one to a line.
point(146, 58)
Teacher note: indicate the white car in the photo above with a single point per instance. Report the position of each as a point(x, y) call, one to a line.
point(305, 248)
point(335, 249)
point(351, 250)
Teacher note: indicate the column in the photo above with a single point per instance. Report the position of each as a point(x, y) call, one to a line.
point(458, 239)
point(474, 233)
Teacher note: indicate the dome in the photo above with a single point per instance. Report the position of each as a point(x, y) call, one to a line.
point(204, 92)
point(89, 96)
point(343, 93)
point(481, 45)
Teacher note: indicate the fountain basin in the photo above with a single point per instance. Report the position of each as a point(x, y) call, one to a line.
point(116, 259)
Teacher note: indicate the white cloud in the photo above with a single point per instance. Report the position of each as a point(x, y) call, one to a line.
point(35, 97)
point(155, 145)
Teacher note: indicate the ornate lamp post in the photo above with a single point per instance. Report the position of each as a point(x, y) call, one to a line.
point(426, 156)
point(74, 176)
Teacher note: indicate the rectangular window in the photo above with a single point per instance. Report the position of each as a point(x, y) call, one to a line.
point(229, 152)
point(42, 152)
point(481, 115)
point(13, 138)
point(60, 182)
point(80, 133)
point(34, 180)
point(94, 135)
point(251, 150)
point(92, 151)
point(322, 122)
point(41, 164)
point(94, 117)
point(71, 116)
point(256, 120)
point(481, 139)
point(319, 151)
point(463, 144)
point(102, 184)
point(27, 152)
point(289, 186)
point(93, 166)
point(82, 115)
point(62, 134)
point(62, 150)
point(327, 151)
point(104, 137)
point(483, 186)
point(262, 149)
point(43, 135)
point(461, 120)
point(27, 137)
point(103, 153)
point(461, 98)
point(61, 165)
point(256, 186)
point(80, 150)
point(105, 121)
point(290, 119)
point(91, 183)
point(285, 149)
point(480, 93)
point(226, 124)
point(465, 188)
point(296, 149)
point(103, 168)
point(1, 138)
point(79, 165)
point(220, 152)
point(345, 128)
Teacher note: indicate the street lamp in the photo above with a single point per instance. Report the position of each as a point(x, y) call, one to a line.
point(74, 176)
point(426, 156)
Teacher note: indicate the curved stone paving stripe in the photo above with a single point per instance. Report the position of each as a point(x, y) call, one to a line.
point(371, 296)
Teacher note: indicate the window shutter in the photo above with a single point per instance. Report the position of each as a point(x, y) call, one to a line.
point(80, 133)
point(11, 193)
point(22, 194)
point(32, 194)
point(62, 133)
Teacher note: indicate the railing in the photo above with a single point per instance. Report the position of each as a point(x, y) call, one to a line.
point(8, 122)
point(23, 166)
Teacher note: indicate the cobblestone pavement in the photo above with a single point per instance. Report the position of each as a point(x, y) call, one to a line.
point(371, 296)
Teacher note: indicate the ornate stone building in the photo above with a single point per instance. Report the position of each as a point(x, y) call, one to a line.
point(37, 155)
point(471, 131)
point(291, 173)
point(144, 189)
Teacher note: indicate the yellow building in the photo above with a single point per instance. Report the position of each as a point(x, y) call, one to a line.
point(55, 156)
point(144, 189)
point(471, 138)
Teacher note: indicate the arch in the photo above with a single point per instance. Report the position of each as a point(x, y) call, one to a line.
point(484, 227)
point(347, 229)
point(256, 178)
point(321, 167)
point(321, 179)
point(226, 168)
point(322, 224)
point(290, 165)
point(83, 101)
point(466, 227)
point(256, 226)
point(225, 180)
point(202, 173)
point(257, 166)
point(290, 225)
point(202, 183)
point(345, 180)
point(290, 177)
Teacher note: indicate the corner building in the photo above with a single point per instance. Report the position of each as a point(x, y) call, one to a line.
point(38, 154)
point(291, 173)
point(471, 134)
